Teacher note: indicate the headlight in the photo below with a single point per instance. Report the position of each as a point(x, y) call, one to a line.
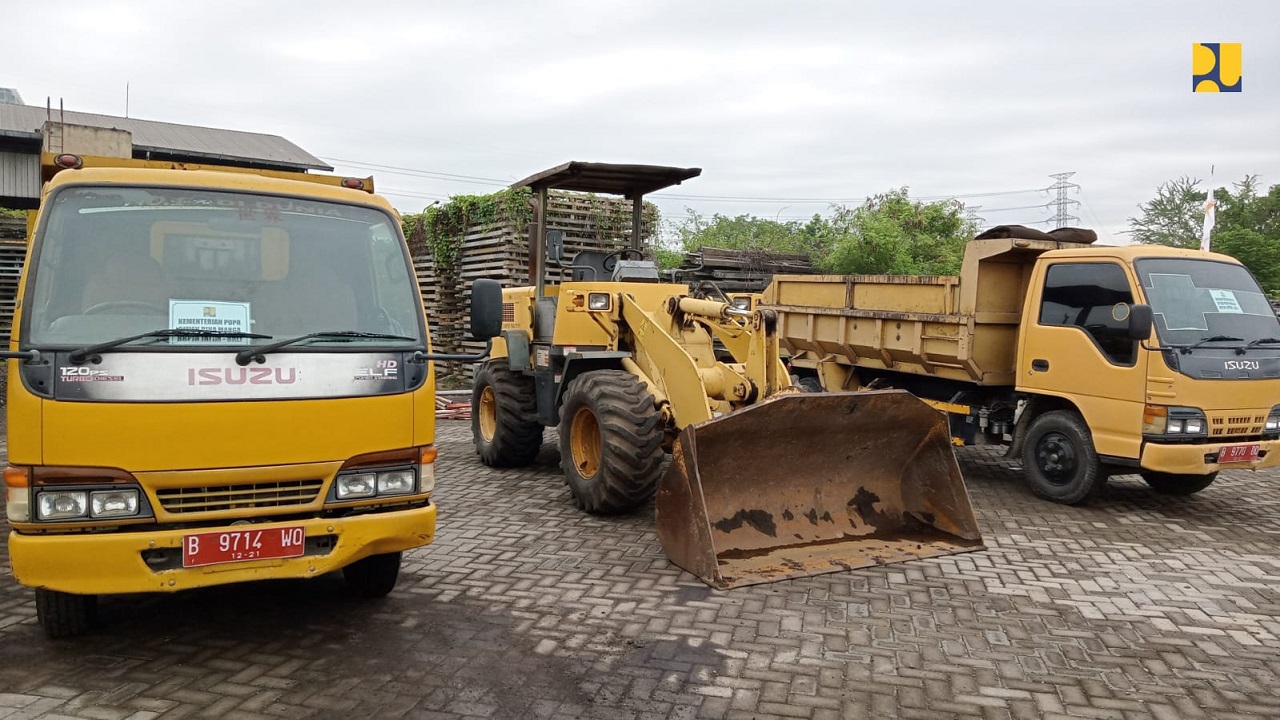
point(113, 503)
point(598, 301)
point(358, 485)
point(1273, 421)
point(62, 504)
point(396, 482)
point(1166, 420)
point(742, 303)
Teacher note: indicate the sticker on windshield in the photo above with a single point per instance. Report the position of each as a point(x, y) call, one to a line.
point(215, 315)
point(1226, 301)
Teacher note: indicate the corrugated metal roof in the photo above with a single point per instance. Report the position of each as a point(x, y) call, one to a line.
point(190, 141)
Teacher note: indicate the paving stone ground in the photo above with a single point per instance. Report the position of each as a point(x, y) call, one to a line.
point(1139, 606)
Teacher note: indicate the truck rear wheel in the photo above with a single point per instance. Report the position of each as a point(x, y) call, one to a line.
point(1171, 484)
point(504, 416)
point(610, 442)
point(374, 576)
point(64, 614)
point(1059, 461)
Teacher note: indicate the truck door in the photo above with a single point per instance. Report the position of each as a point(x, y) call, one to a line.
point(1075, 345)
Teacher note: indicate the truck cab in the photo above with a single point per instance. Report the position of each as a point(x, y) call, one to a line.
point(1196, 391)
point(215, 376)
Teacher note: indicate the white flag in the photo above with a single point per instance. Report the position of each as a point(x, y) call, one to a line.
point(1208, 222)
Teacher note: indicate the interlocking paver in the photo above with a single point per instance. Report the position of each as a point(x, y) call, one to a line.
point(1139, 606)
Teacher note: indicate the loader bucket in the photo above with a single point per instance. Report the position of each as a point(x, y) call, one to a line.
point(810, 483)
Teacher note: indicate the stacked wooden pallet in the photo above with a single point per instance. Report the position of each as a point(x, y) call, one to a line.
point(13, 252)
point(500, 251)
point(738, 270)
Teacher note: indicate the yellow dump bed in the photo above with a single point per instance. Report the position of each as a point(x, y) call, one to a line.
point(957, 327)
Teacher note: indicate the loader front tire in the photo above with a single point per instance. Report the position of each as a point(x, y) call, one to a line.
point(1171, 484)
point(610, 442)
point(504, 416)
point(1059, 460)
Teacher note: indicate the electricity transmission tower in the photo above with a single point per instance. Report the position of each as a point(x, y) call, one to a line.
point(1060, 204)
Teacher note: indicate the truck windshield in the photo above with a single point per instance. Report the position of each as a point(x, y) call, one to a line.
point(1197, 301)
point(111, 262)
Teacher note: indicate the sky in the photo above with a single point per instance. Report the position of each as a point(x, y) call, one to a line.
point(788, 107)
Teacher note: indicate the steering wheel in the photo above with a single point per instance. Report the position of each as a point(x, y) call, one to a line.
point(610, 261)
point(120, 305)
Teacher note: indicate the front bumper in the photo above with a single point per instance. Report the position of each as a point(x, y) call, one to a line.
point(99, 564)
point(1196, 459)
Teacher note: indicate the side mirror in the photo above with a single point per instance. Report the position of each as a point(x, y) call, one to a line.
point(1140, 320)
point(555, 246)
point(486, 309)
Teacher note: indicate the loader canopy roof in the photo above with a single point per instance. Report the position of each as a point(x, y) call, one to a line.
point(629, 181)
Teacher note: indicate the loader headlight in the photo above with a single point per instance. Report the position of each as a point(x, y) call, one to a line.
point(742, 303)
point(62, 504)
point(598, 301)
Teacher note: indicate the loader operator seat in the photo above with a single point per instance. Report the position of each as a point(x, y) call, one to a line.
point(588, 266)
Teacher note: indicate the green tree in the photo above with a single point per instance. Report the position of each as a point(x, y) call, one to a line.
point(889, 233)
point(893, 234)
point(1246, 224)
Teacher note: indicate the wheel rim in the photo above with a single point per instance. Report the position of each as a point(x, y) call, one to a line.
point(1056, 458)
point(488, 413)
point(584, 442)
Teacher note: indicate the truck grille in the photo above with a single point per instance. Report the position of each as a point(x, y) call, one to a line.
point(234, 497)
point(1232, 425)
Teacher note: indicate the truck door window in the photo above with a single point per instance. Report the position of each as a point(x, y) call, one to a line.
point(1086, 296)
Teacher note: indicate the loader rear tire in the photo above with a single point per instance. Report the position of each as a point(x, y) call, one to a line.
point(1059, 460)
point(504, 416)
point(1171, 484)
point(610, 442)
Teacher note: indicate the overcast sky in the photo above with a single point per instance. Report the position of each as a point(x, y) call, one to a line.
point(795, 103)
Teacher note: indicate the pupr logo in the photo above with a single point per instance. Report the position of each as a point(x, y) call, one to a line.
point(1216, 67)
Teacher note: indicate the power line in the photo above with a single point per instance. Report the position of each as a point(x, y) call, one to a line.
point(838, 200)
point(415, 172)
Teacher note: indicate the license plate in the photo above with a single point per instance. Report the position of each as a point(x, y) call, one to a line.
point(1238, 453)
point(226, 546)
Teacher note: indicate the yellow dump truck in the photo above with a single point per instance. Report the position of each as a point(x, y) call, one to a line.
point(215, 375)
point(1084, 360)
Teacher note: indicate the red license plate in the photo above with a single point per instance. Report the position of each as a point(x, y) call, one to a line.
point(225, 546)
point(1238, 453)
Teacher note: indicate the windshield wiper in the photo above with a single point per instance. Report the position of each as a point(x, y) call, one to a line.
point(244, 357)
point(1186, 349)
point(79, 356)
point(1260, 341)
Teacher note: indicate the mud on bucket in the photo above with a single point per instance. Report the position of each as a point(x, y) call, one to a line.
point(805, 484)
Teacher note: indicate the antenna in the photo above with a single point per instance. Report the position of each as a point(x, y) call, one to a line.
point(126, 98)
point(1060, 216)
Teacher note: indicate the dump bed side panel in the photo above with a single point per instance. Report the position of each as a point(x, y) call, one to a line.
point(956, 327)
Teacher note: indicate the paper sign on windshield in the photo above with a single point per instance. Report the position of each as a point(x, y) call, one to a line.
point(214, 315)
point(1226, 301)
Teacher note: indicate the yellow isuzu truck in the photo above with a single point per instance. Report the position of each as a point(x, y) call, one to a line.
point(216, 375)
point(1084, 360)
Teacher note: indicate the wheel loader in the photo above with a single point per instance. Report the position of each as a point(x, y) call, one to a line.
point(764, 482)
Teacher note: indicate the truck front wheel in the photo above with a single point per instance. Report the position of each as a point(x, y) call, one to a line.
point(63, 614)
point(1058, 458)
point(374, 576)
point(1171, 484)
